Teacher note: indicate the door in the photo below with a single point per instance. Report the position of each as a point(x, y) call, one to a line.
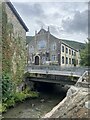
point(37, 60)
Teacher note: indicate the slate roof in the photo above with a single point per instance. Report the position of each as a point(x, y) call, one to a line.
point(17, 15)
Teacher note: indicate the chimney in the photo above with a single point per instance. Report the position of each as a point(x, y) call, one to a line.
point(35, 32)
point(48, 29)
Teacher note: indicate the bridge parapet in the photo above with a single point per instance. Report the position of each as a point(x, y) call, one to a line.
point(44, 69)
point(54, 67)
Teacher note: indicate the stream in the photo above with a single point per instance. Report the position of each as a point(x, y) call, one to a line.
point(37, 107)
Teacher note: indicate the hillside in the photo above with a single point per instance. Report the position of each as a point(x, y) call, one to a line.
point(29, 38)
point(74, 44)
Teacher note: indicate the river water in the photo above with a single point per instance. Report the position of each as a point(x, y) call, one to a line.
point(37, 107)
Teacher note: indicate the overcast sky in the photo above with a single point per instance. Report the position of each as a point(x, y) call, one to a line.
point(67, 20)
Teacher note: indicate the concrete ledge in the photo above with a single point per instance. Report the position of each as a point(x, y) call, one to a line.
point(49, 114)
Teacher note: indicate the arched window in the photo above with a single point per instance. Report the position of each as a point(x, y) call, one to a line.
point(69, 51)
point(53, 46)
point(66, 60)
point(42, 44)
point(62, 48)
point(62, 59)
point(66, 50)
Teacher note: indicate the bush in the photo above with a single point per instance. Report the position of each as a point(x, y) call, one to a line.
point(29, 93)
point(0, 108)
point(19, 96)
point(9, 94)
point(7, 88)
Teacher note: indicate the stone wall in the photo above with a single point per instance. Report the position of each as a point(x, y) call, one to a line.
point(14, 45)
point(76, 102)
point(0, 52)
point(46, 53)
point(51, 47)
point(0, 37)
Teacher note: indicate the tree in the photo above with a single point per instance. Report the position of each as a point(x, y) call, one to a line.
point(85, 55)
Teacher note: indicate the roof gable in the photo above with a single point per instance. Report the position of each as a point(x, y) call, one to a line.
point(42, 31)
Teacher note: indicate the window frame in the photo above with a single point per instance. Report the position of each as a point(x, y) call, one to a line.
point(63, 48)
point(69, 51)
point(69, 60)
point(66, 60)
point(66, 50)
point(63, 59)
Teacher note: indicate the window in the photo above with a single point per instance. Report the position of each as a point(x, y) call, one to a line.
point(62, 48)
point(41, 44)
point(62, 59)
point(72, 52)
point(72, 61)
point(77, 62)
point(69, 52)
point(53, 46)
point(69, 60)
point(66, 50)
point(31, 49)
point(53, 57)
point(43, 59)
point(47, 54)
point(66, 60)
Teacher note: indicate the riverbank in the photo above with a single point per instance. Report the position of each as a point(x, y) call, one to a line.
point(36, 108)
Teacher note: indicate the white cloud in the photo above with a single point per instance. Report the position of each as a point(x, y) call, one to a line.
point(50, 1)
point(37, 14)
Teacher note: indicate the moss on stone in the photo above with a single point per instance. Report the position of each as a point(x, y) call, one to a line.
point(13, 50)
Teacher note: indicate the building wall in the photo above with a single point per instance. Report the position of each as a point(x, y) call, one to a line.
point(0, 40)
point(72, 55)
point(49, 46)
point(14, 45)
point(53, 46)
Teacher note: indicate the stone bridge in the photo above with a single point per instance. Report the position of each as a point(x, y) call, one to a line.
point(55, 74)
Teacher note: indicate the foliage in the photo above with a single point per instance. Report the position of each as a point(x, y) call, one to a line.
point(19, 96)
point(13, 63)
point(0, 107)
point(27, 74)
point(7, 91)
point(77, 45)
point(85, 55)
point(13, 48)
point(29, 93)
point(9, 94)
point(7, 88)
point(3, 107)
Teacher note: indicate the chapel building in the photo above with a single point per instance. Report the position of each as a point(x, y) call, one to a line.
point(46, 49)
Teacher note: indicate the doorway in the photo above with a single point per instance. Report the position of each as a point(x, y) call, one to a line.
point(36, 60)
